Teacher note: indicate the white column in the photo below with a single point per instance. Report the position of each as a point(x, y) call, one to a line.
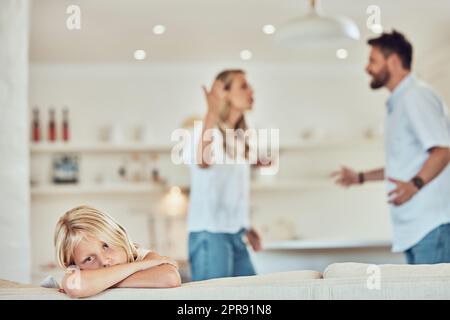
point(15, 253)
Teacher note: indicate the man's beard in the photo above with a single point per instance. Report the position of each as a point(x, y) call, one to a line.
point(380, 79)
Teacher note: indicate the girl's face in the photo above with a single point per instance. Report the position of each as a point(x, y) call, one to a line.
point(91, 254)
point(241, 93)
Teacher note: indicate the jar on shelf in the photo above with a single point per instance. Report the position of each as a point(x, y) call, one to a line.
point(136, 168)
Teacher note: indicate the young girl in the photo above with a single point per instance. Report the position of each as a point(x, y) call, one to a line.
point(97, 254)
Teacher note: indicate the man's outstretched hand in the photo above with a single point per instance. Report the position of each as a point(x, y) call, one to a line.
point(345, 177)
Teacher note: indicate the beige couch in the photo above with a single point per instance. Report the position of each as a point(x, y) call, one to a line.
point(338, 281)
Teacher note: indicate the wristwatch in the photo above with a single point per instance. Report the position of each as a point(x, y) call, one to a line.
point(418, 182)
point(361, 177)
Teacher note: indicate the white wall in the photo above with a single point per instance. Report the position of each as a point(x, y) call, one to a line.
point(333, 97)
point(436, 71)
point(14, 172)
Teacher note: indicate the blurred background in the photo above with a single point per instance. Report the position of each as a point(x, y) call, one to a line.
point(88, 111)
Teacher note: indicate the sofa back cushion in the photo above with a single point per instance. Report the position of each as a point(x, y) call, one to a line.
point(362, 270)
point(278, 278)
point(11, 284)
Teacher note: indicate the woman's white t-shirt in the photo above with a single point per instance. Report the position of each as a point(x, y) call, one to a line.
point(219, 196)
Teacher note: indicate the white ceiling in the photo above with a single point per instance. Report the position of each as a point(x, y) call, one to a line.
point(203, 30)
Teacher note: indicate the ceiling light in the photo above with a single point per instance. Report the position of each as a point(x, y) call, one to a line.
point(246, 55)
point(140, 54)
point(341, 54)
point(159, 29)
point(269, 29)
point(315, 30)
point(377, 28)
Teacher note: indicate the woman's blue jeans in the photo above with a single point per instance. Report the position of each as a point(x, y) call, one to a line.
point(218, 255)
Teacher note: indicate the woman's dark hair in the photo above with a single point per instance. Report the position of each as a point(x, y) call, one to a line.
point(394, 42)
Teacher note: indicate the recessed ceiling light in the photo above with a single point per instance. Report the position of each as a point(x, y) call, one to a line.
point(159, 29)
point(377, 28)
point(341, 54)
point(246, 55)
point(269, 29)
point(140, 54)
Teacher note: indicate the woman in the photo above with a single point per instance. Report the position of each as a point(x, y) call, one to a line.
point(219, 201)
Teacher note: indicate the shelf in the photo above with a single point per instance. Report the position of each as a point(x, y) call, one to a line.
point(60, 147)
point(97, 148)
point(95, 189)
point(311, 144)
point(302, 183)
point(283, 185)
point(292, 184)
point(256, 186)
point(326, 244)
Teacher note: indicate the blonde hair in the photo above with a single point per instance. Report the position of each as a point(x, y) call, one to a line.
point(227, 77)
point(83, 221)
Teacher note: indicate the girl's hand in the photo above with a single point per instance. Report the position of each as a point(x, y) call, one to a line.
point(215, 98)
point(167, 260)
point(150, 263)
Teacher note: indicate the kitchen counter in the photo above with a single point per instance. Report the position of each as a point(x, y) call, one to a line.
point(325, 244)
point(316, 254)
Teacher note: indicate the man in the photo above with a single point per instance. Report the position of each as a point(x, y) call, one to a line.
point(417, 141)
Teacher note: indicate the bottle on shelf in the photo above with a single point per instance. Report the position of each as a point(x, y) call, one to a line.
point(123, 171)
point(51, 126)
point(65, 125)
point(36, 128)
point(155, 177)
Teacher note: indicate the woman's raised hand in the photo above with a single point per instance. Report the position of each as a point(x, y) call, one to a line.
point(215, 98)
point(254, 239)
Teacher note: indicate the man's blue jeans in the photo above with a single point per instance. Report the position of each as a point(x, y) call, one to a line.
point(217, 255)
point(433, 248)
